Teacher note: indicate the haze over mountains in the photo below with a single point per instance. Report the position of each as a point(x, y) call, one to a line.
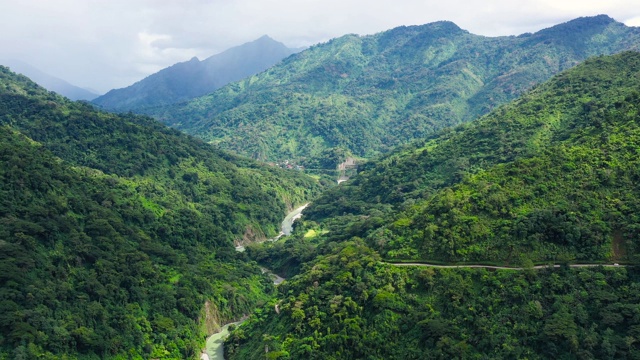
point(193, 78)
point(50, 82)
point(367, 94)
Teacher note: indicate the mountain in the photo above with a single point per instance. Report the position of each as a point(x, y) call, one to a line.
point(117, 233)
point(50, 82)
point(549, 178)
point(187, 80)
point(368, 94)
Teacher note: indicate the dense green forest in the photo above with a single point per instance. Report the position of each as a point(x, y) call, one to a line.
point(550, 178)
point(349, 305)
point(117, 233)
point(368, 94)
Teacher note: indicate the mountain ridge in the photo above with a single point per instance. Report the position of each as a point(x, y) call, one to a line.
point(367, 94)
point(186, 80)
point(551, 177)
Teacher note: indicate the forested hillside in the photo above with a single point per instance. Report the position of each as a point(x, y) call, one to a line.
point(551, 178)
point(367, 94)
point(348, 305)
point(117, 233)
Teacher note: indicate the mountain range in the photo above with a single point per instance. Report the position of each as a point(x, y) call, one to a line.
point(187, 80)
point(539, 178)
point(367, 94)
point(551, 178)
point(492, 213)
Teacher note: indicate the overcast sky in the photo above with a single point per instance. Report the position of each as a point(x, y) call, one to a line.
point(105, 44)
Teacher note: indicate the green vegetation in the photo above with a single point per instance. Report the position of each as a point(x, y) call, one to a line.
point(116, 233)
point(166, 167)
point(368, 94)
point(551, 177)
point(348, 305)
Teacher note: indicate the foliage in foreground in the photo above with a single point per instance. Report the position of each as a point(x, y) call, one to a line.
point(349, 305)
point(115, 231)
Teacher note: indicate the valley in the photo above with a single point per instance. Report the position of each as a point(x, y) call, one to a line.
point(215, 343)
point(361, 285)
point(444, 195)
point(117, 233)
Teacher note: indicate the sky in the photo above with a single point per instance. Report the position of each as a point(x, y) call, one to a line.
point(106, 44)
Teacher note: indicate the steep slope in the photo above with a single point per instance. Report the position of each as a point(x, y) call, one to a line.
point(187, 80)
point(117, 233)
point(551, 177)
point(50, 82)
point(367, 94)
point(348, 305)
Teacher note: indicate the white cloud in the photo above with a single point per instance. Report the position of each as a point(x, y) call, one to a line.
point(635, 21)
point(112, 43)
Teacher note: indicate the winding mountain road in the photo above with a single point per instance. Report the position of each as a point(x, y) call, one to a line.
point(500, 267)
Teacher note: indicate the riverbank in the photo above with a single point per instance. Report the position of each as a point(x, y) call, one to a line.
point(286, 226)
point(215, 343)
point(215, 349)
point(287, 223)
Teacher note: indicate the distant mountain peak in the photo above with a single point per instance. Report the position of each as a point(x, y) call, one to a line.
point(585, 23)
point(442, 27)
point(187, 80)
point(602, 18)
point(444, 24)
point(265, 37)
point(437, 29)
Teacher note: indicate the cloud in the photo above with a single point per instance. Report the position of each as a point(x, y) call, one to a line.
point(634, 21)
point(107, 44)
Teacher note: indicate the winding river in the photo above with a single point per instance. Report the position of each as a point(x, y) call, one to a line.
point(215, 342)
point(287, 225)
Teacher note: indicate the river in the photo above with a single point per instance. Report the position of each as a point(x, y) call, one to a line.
point(215, 349)
point(287, 223)
point(286, 226)
point(215, 342)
